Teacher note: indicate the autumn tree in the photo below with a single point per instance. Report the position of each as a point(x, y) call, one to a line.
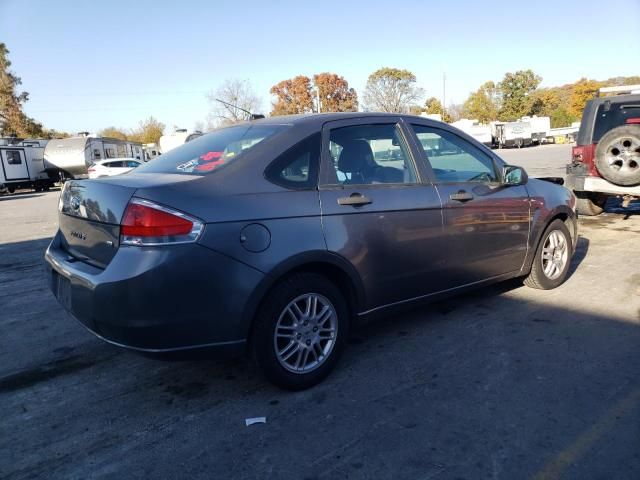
point(292, 96)
point(514, 90)
point(391, 90)
point(238, 98)
point(334, 93)
point(149, 131)
point(583, 90)
point(113, 132)
point(482, 104)
point(12, 118)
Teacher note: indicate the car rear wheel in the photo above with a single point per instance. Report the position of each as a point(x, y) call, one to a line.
point(300, 331)
point(553, 256)
point(618, 156)
point(590, 204)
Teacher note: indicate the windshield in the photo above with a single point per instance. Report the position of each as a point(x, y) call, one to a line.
point(206, 154)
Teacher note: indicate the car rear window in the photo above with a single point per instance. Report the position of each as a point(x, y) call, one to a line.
point(209, 152)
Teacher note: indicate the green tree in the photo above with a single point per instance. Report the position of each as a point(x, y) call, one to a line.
point(12, 118)
point(433, 106)
point(113, 132)
point(149, 131)
point(391, 90)
point(544, 101)
point(335, 94)
point(583, 90)
point(514, 90)
point(292, 96)
point(482, 104)
point(561, 118)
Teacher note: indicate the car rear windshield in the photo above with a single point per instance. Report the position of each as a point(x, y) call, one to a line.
point(207, 153)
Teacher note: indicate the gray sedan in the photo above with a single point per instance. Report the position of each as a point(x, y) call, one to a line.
point(278, 235)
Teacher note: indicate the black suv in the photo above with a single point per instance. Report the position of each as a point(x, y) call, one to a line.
point(606, 160)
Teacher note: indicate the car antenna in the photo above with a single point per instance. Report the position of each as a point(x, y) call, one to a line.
point(252, 116)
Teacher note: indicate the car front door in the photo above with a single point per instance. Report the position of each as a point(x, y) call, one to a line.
point(376, 210)
point(486, 223)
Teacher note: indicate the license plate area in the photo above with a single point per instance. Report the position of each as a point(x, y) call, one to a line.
point(62, 289)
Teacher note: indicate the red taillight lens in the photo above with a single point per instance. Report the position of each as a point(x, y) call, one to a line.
point(145, 223)
point(91, 170)
point(576, 154)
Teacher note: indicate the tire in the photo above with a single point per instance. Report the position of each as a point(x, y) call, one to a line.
point(11, 189)
point(297, 341)
point(590, 204)
point(543, 276)
point(618, 156)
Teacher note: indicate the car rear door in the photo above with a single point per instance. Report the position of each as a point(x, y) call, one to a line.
point(486, 224)
point(376, 210)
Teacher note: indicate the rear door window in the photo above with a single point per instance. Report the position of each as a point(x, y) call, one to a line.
point(370, 154)
point(206, 154)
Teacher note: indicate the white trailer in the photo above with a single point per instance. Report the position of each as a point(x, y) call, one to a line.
point(22, 165)
point(151, 151)
point(474, 128)
point(540, 128)
point(71, 157)
point(179, 137)
point(511, 134)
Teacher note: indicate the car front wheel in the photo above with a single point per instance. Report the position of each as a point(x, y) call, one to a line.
point(553, 256)
point(300, 331)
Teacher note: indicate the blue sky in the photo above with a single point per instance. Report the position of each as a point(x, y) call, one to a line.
point(89, 65)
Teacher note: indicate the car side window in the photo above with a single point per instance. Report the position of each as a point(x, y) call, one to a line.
point(453, 159)
point(370, 154)
point(297, 168)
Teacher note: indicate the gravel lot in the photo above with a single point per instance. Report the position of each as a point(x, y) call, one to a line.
point(503, 383)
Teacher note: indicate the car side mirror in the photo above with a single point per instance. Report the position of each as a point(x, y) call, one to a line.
point(512, 175)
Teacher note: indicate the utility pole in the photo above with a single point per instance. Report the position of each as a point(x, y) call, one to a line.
point(444, 90)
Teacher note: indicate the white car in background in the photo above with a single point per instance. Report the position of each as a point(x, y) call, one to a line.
point(113, 166)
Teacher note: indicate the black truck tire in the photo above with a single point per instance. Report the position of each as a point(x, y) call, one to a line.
point(618, 156)
point(590, 204)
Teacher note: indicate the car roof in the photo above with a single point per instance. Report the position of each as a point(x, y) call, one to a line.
point(117, 159)
point(321, 118)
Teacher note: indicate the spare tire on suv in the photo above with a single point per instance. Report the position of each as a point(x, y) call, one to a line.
point(617, 156)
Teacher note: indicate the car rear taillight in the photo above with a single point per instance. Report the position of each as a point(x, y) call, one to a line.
point(147, 223)
point(91, 170)
point(576, 155)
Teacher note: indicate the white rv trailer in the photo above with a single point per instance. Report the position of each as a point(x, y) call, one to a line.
point(511, 134)
point(71, 157)
point(179, 137)
point(22, 165)
point(540, 127)
point(474, 128)
point(151, 151)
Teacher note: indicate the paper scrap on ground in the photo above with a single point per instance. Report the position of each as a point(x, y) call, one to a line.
point(251, 421)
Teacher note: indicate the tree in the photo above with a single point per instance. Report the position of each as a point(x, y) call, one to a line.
point(335, 94)
point(12, 118)
point(514, 90)
point(391, 90)
point(433, 107)
point(149, 131)
point(582, 91)
point(561, 118)
point(544, 102)
point(292, 96)
point(113, 132)
point(455, 111)
point(482, 104)
point(238, 96)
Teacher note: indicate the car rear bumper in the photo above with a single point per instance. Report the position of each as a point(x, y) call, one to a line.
point(157, 299)
point(587, 183)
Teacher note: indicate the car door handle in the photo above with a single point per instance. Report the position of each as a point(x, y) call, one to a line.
point(355, 200)
point(461, 196)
